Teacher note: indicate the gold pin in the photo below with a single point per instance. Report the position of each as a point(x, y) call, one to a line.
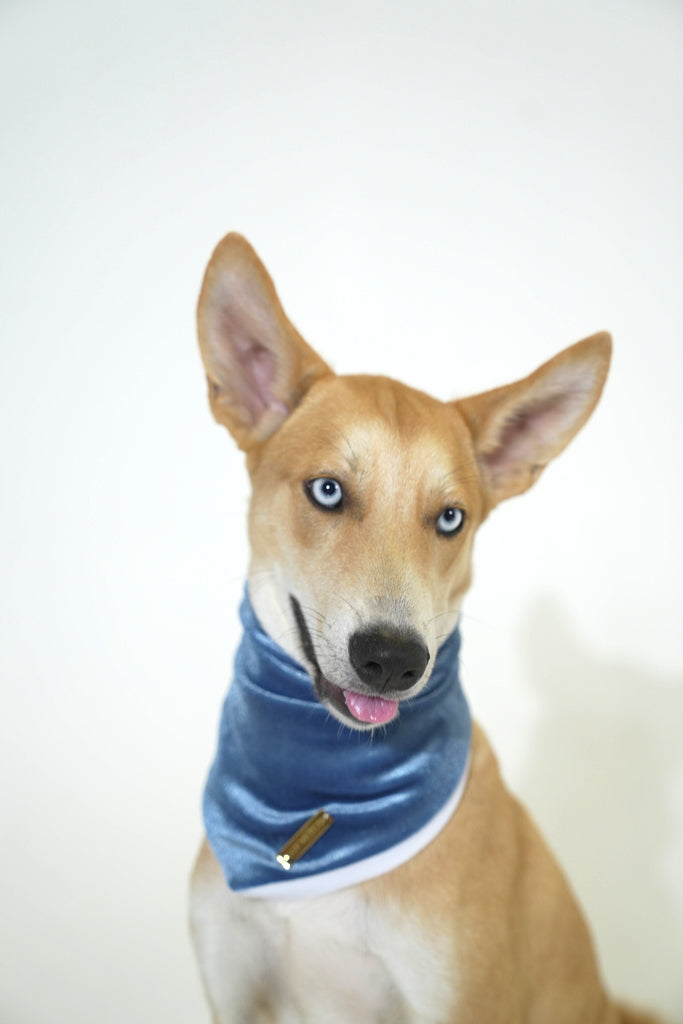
point(301, 842)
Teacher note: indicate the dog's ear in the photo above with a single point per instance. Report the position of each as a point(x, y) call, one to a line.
point(519, 428)
point(257, 365)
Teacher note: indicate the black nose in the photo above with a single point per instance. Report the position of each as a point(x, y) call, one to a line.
point(386, 660)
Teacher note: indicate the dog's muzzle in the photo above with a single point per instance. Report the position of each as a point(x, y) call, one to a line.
point(387, 664)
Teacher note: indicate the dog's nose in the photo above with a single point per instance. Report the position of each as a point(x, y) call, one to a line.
point(387, 660)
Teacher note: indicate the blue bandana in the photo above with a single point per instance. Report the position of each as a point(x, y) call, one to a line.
point(282, 758)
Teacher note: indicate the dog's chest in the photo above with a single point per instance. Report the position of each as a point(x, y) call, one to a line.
point(363, 963)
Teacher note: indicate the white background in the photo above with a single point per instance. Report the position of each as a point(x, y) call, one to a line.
point(448, 192)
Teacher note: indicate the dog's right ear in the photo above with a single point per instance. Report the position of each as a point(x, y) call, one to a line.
point(257, 365)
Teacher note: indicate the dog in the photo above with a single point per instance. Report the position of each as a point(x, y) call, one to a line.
point(365, 863)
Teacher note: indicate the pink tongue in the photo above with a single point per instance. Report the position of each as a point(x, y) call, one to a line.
point(370, 709)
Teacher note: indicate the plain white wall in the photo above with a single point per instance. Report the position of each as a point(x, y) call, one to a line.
point(446, 192)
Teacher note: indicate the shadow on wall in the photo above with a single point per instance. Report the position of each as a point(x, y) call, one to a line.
point(603, 774)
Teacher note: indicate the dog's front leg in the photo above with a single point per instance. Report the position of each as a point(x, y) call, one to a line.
point(236, 944)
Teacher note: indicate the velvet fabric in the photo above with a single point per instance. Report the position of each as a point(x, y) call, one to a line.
point(282, 757)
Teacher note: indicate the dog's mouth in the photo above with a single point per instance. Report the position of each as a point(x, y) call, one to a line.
point(353, 707)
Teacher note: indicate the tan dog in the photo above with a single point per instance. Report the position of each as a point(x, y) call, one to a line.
point(366, 498)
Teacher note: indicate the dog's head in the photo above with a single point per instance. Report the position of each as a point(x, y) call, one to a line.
point(366, 494)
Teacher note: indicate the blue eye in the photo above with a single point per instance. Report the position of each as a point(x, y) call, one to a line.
point(450, 521)
point(325, 492)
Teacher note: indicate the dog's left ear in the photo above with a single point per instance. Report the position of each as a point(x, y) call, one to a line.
point(519, 428)
point(257, 365)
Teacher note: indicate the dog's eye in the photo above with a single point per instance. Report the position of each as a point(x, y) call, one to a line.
point(450, 521)
point(325, 492)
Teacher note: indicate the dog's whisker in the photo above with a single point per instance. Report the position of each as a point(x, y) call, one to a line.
point(341, 597)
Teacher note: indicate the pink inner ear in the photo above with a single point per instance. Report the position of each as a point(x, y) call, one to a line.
point(532, 432)
point(248, 367)
point(256, 374)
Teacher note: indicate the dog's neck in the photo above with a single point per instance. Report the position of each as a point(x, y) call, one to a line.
point(282, 758)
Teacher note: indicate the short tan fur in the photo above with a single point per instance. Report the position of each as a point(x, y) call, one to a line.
point(499, 934)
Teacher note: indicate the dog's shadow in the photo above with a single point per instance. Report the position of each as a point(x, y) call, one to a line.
point(601, 774)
